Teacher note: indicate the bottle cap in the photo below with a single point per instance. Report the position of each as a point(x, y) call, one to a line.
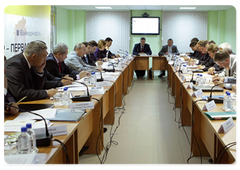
point(23, 129)
point(201, 75)
point(65, 89)
point(228, 93)
point(92, 73)
point(198, 74)
point(29, 125)
point(184, 65)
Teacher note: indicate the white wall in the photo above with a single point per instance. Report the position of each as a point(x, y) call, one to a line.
point(182, 27)
point(100, 25)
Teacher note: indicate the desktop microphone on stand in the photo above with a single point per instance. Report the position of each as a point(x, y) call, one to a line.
point(101, 79)
point(82, 97)
point(216, 100)
point(41, 139)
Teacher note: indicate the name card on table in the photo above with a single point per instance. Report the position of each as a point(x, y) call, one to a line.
point(82, 105)
point(96, 90)
point(55, 130)
point(226, 126)
point(209, 106)
point(190, 86)
point(197, 93)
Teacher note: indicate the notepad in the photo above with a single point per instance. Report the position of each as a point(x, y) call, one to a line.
point(220, 115)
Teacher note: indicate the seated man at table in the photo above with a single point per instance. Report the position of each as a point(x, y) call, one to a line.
point(168, 49)
point(109, 41)
point(7, 98)
point(56, 66)
point(25, 73)
point(223, 59)
point(139, 49)
point(196, 54)
point(75, 62)
point(93, 48)
point(212, 66)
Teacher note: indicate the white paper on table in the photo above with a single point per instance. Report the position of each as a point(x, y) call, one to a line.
point(41, 124)
point(15, 126)
point(21, 158)
point(46, 113)
point(112, 73)
point(109, 78)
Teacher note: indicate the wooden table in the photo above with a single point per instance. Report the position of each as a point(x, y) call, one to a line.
point(204, 132)
point(88, 130)
point(158, 63)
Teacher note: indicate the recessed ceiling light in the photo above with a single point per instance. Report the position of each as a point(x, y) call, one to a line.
point(187, 7)
point(103, 7)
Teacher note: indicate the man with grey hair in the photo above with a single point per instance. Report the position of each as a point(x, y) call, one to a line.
point(75, 62)
point(25, 73)
point(56, 66)
point(223, 59)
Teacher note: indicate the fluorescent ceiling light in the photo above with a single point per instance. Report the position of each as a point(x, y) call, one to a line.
point(187, 7)
point(103, 7)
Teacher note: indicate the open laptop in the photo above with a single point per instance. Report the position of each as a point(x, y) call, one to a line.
point(207, 88)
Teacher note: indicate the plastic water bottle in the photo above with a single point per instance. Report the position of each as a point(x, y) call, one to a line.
point(32, 134)
point(201, 80)
point(65, 97)
point(93, 79)
point(197, 79)
point(227, 102)
point(184, 69)
point(24, 142)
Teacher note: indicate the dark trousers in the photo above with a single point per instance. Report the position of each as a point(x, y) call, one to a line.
point(140, 73)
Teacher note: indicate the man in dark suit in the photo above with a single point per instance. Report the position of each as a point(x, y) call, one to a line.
point(7, 98)
point(25, 73)
point(56, 66)
point(168, 49)
point(141, 48)
point(86, 58)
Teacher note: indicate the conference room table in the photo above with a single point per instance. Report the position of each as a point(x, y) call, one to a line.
point(88, 131)
point(205, 139)
point(142, 63)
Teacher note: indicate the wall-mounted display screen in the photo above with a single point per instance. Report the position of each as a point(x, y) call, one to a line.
point(145, 25)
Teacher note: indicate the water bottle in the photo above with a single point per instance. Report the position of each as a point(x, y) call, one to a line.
point(197, 79)
point(65, 97)
point(201, 80)
point(24, 142)
point(93, 79)
point(32, 134)
point(227, 102)
point(184, 69)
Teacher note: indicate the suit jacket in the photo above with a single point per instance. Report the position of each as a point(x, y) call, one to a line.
point(53, 69)
point(8, 98)
point(51, 81)
point(232, 71)
point(165, 49)
point(23, 81)
point(146, 49)
point(90, 61)
point(76, 63)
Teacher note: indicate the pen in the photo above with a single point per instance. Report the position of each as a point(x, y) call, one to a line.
point(21, 100)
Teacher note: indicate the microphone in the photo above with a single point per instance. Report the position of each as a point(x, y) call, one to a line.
point(216, 100)
point(82, 97)
point(101, 79)
point(110, 70)
point(43, 139)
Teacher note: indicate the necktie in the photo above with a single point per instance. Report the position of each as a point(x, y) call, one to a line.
point(59, 67)
point(141, 48)
point(86, 59)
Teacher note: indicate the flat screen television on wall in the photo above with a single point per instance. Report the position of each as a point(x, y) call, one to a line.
point(145, 25)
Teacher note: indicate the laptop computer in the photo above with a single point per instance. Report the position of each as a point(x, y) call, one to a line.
point(207, 88)
point(68, 115)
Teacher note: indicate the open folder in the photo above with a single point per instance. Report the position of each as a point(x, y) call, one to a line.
point(220, 115)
